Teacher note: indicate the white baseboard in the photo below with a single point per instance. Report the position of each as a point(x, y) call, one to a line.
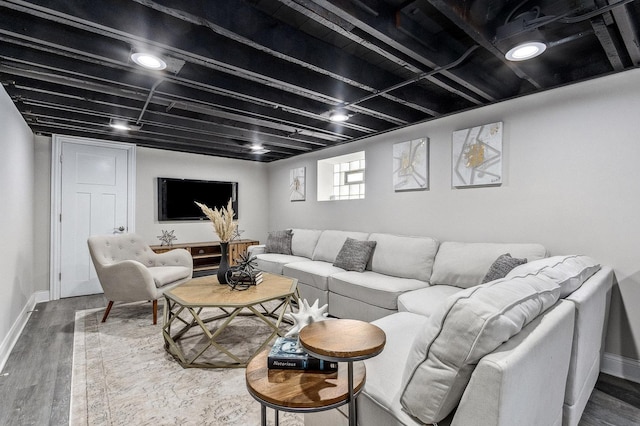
point(16, 329)
point(620, 366)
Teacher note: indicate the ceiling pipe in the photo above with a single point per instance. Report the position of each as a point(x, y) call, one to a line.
point(415, 79)
point(146, 104)
point(540, 22)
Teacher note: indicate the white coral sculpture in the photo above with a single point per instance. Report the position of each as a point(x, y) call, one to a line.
point(306, 315)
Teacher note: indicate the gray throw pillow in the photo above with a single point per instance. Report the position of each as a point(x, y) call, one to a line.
point(279, 242)
point(502, 266)
point(354, 255)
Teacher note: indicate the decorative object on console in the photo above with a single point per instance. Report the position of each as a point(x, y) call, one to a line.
point(477, 156)
point(297, 184)
point(225, 227)
point(167, 238)
point(354, 255)
point(411, 165)
point(502, 266)
point(279, 242)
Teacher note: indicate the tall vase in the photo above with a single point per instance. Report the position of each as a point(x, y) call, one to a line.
point(224, 263)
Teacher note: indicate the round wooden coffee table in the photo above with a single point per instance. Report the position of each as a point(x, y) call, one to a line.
point(343, 340)
point(298, 390)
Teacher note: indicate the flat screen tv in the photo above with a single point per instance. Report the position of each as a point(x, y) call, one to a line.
point(176, 197)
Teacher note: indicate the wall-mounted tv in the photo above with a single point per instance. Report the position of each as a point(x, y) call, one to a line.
point(176, 197)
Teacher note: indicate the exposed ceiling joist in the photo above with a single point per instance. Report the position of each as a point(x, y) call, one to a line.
point(271, 73)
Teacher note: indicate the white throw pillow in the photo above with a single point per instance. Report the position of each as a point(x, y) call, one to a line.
point(570, 272)
point(469, 325)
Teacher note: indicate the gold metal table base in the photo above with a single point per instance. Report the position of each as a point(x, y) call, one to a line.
point(199, 302)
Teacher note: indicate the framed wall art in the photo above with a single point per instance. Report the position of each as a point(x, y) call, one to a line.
point(297, 184)
point(411, 165)
point(477, 156)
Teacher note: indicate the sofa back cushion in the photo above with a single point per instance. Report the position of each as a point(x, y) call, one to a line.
point(465, 264)
point(466, 327)
point(402, 256)
point(330, 243)
point(569, 272)
point(304, 242)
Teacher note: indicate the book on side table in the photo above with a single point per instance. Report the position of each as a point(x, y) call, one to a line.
point(286, 354)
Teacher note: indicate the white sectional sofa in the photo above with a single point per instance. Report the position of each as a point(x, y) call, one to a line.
point(524, 349)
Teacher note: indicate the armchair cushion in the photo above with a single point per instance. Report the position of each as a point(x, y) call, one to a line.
point(163, 275)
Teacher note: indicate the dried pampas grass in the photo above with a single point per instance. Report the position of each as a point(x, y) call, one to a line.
point(222, 220)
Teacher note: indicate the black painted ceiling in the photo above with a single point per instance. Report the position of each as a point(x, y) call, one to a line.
point(270, 72)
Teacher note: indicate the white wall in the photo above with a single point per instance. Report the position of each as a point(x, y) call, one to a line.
point(16, 221)
point(252, 193)
point(571, 182)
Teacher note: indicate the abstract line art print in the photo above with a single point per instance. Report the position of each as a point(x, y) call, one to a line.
point(477, 156)
point(411, 165)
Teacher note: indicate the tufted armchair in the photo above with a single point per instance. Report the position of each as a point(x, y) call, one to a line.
point(128, 270)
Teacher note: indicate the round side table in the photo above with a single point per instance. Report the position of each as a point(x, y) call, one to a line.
point(300, 391)
point(344, 340)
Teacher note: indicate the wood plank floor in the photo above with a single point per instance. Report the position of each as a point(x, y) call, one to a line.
point(35, 385)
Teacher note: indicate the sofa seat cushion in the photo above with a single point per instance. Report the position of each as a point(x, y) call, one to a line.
point(303, 242)
point(384, 371)
point(312, 273)
point(330, 243)
point(425, 301)
point(402, 256)
point(274, 262)
point(469, 325)
point(163, 275)
point(570, 272)
point(372, 288)
point(465, 264)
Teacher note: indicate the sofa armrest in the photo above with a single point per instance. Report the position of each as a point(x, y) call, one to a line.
point(256, 249)
point(523, 381)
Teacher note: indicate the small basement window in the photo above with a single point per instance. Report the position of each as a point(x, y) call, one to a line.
point(342, 177)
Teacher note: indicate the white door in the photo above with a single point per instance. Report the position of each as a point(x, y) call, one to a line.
point(94, 199)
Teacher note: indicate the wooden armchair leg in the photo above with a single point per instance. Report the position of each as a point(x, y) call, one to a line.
point(106, 312)
point(155, 311)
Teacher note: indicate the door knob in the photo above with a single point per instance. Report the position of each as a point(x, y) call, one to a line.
point(119, 229)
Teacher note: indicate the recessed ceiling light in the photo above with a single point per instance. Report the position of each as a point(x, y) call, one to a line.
point(149, 61)
point(339, 116)
point(526, 50)
point(123, 125)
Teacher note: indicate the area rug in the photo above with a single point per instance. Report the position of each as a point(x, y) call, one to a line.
point(123, 376)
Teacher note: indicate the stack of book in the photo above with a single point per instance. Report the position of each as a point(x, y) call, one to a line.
point(285, 354)
point(245, 277)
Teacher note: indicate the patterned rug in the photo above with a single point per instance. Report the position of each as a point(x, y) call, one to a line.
point(123, 376)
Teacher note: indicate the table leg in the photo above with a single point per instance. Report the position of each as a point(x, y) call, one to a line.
point(352, 402)
point(263, 415)
point(277, 418)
